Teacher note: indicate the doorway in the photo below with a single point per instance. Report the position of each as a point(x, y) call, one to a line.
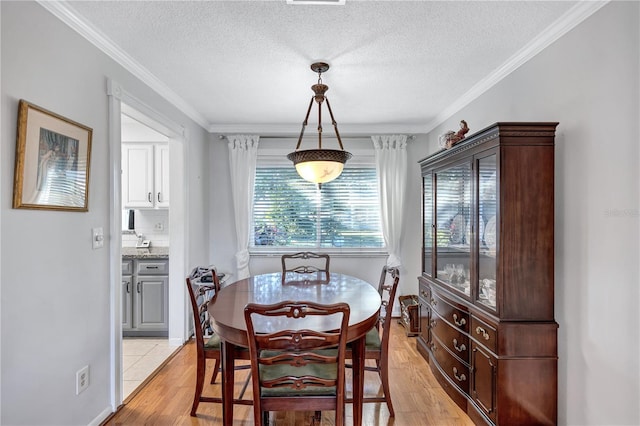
point(123, 107)
point(145, 241)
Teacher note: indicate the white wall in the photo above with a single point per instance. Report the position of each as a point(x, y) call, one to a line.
point(589, 82)
point(55, 309)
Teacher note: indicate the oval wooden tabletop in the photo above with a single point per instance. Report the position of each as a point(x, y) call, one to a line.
point(227, 311)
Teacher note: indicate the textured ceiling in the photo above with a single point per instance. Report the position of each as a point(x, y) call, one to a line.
point(244, 65)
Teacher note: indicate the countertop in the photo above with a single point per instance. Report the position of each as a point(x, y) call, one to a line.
point(145, 253)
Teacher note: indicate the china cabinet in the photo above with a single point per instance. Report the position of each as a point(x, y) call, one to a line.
point(487, 285)
point(145, 175)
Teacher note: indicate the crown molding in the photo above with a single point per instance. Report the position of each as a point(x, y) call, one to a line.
point(63, 11)
point(293, 130)
point(565, 23)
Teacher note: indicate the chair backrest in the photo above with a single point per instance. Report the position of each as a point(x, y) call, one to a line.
point(305, 266)
point(200, 295)
point(291, 352)
point(389, 279)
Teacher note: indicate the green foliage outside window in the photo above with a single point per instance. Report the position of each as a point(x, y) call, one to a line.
point(291, 212)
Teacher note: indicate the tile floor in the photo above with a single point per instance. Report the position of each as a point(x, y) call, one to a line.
point(140, 358)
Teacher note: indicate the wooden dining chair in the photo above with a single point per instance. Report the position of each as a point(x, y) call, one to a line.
point(297, 369)
point(305, 266)
point(207, 342)
point(377, 339)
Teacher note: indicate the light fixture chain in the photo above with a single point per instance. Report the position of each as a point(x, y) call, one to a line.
point(320, 124)
point(334, 122)
point(304, 123)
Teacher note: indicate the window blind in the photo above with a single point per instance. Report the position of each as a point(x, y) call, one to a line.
point(291, 212)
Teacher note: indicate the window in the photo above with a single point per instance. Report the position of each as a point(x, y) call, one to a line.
point(291, 212)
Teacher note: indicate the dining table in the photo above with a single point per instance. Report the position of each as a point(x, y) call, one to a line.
point(226, 313)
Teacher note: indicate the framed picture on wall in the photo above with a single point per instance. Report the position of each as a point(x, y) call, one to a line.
point(52, 161)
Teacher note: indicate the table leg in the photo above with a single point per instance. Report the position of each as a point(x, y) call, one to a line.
point(358, 378)
point(228, 370)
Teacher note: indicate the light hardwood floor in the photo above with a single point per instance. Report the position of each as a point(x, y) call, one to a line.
point(417, 397)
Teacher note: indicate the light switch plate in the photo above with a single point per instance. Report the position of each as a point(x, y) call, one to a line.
point(97, 238)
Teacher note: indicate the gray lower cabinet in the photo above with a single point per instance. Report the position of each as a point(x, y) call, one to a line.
point(127, 286)
point(145, 297)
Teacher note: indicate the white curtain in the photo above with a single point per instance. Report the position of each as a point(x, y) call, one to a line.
point(243, 154)
point(391, 165)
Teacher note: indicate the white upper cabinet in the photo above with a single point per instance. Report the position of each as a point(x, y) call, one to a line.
point(145, 175)
point(161, 181)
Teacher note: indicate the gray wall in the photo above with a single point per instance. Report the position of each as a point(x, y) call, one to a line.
point(55, 305)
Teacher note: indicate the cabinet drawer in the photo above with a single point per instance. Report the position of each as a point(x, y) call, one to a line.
point(456, 370)
point(447, 311)
point(484, 333)
point(454, 339)
point(152, 267)
point(424, 291)
point(127, 267)
point(425, 315)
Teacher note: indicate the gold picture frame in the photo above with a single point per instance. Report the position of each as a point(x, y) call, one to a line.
point(53, 156)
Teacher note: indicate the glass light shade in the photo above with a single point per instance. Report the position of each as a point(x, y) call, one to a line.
point(319, 171)
point(319, 165)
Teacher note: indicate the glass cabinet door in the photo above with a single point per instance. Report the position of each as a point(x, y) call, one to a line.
point(488, 228)
point(453, 226)
point(427, 220)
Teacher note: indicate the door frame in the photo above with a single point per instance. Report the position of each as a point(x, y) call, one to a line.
point(121, 101)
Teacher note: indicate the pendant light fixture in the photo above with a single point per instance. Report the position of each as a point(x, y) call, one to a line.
point(319, 165)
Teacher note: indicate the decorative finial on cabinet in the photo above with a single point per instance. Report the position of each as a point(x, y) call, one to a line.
point(450, 138)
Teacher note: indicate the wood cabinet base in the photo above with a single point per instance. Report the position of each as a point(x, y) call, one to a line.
point(524, 405)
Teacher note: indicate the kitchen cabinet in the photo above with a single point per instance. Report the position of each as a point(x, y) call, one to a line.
point(127, 285)
point(487, 282)
point(145, 298)
point(145, 175)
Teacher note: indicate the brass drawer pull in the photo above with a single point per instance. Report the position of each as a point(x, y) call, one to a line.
point(433, 323)
point(461, 377)
point(482, 331)
point(459, 323)
point(434, 302)
point(460, 348)
point(424, 293)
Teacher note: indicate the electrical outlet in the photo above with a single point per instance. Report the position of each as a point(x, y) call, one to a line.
point(82, 379)
point(159, 226)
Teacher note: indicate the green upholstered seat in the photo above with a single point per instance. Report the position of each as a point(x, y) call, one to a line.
point(325, 371)
point(373, 339)
point(213, 342)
